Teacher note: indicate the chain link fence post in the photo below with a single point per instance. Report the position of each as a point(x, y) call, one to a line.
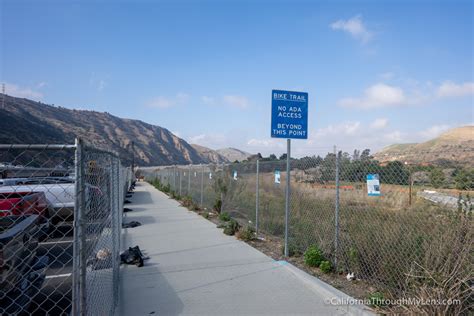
point(77, 245)
point(202, 183)
point(180, 182)
point(336, 215)
point(257, 197)
point(79, 269)
point(189, 181)
point(115, 209)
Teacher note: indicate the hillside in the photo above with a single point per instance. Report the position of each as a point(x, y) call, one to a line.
point(233, 154)
point(455, 145)
point(24, 121)
point(209, 154)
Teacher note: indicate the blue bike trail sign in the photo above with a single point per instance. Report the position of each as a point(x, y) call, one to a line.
point(289, 114)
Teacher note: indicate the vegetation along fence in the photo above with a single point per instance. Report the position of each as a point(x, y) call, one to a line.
point(411, 236)
point(60, 223)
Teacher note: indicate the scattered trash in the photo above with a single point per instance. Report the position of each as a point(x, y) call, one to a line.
point(350, 276)
point(127, 202)
point(101, 261)
point(131, 224)
point(125, 210)
point(133, 256)
point(128, 195)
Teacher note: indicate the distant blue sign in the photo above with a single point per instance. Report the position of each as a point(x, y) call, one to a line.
point(373, 185)
point(289, 114)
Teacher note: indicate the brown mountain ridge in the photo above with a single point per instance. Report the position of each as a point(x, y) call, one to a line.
point(454, 145)
point(24, 121)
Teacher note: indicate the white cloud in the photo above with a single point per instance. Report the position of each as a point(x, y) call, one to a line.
point(236, 101)
point(345, 128)
point(98, 82)
point(162, 102)
point(434, 131)
point(382, 95)
point(101, 85)
point(208, 100)
point(379, 123)
point(267, 143)
point(354, 26)
point(376, 96)
point(209, 140)
point(347, 136)
point(22, 92)
point(41, 84)
point(451, 89)
point(394, 137)
point(387, 75)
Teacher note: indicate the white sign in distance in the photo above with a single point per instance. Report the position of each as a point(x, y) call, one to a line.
point(277, 177)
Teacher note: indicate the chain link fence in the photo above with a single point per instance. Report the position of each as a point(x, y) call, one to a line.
point(404, 227)
point(60, 224)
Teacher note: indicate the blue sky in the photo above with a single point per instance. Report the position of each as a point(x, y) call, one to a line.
point(377, 72)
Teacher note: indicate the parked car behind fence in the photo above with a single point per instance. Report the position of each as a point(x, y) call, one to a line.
point(54, 276)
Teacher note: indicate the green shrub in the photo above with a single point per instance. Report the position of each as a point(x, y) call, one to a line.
point(231, 227)
point(225, 217)
point(174, 195)
point(325, 266)
point(166, 188)
point(157, 184)
point(187, 201)
point(218, 206)
point(246, 234)
point(376, 299)
point(205, 215)
point(313, 256)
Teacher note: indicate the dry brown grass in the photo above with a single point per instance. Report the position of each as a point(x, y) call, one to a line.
point(382, 239)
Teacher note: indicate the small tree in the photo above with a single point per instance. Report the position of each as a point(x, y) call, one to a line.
point(437, 177)
point(365, 155)
point(464, 179)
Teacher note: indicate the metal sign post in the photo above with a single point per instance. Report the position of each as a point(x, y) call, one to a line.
point(257, 198)
point(289, 120)
point(287, 197)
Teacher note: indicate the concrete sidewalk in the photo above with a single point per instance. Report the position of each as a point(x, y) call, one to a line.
point(195, 269)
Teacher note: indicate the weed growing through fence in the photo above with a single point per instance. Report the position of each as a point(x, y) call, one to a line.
point(225, 217)
point(313, 256)
point(246, 234)
point(325, 266)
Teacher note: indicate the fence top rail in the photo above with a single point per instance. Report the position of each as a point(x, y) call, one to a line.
point(37, 146)
point(93, 148)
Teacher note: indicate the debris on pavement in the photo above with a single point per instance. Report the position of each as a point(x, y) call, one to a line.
point(131, 224)
point(133, 256)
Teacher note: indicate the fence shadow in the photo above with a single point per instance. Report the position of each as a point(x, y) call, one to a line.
point(145, 291)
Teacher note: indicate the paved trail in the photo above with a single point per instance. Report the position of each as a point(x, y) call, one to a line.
point(195, 269)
